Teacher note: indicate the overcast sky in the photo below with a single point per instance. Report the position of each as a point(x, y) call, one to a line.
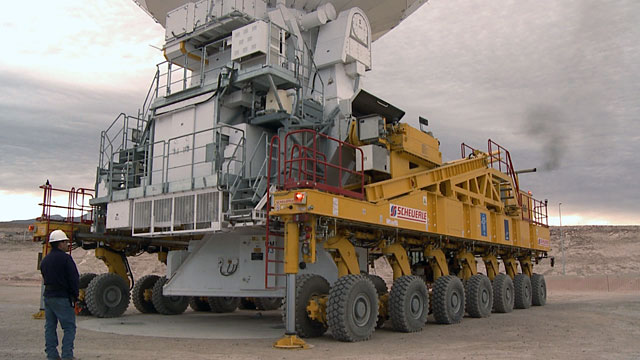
point(555, 82)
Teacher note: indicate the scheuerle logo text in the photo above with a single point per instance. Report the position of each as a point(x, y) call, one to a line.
point(406, 213)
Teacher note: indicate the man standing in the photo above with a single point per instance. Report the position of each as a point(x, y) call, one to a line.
point(60, 294)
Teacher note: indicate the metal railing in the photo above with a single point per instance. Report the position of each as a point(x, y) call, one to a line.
point(78, 209)
point(534, 211)
point(501, 160)
point(138, 172)
point(175, 75)
point(307, 166)
point(197, 154)
point(152, 95)
point(115, 139)
point(464, 148)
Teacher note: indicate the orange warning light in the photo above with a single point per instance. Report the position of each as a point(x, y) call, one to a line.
point(300, 197)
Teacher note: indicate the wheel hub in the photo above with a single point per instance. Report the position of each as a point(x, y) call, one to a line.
point(455, 302)
point(361, 310)
point(112, 296)
point(415, 306)
point(484, 296)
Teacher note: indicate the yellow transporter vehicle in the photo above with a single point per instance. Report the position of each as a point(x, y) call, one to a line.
point(430, 220)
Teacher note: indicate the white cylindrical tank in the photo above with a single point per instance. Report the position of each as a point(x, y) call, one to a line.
point(321, 16)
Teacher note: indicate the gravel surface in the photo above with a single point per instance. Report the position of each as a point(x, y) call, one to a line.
point(571, 325)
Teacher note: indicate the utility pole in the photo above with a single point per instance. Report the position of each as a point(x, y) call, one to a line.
point(561, 238)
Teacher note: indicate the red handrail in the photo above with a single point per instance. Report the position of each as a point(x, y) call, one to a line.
point(464, 147)
point(310, 160)
point(534, 211)
point(78, 202)
point(503, 159)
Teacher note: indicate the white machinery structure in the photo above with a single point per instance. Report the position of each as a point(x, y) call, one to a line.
point(194, 161)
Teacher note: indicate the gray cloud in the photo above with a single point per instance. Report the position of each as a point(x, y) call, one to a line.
point(52, 131)
point(554, 82)
point(546, 123)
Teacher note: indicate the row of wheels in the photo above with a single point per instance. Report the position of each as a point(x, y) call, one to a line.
point(108, 295)
point(353, 309)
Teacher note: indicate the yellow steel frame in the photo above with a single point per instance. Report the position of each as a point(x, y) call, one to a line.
point(445, 216)
point(510, 266)
point(439, 266)
point(526, 265)
point(398, 259)
point(344, 255)
point(468, 264)
point(491, 264)
point(114, 262)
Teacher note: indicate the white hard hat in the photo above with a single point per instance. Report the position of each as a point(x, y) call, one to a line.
point(57, 235)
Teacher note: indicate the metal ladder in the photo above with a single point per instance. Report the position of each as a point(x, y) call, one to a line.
point(274, 229)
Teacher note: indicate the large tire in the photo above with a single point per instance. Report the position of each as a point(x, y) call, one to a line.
point(307, 287)
point(503, 294)
point(409, 304)
point(167, 305)
point(381, 289)
point(198, 303)
point(83, 284)
point(479, 295)
point(144, 305)
point(107, 296)
point(352, 310)
point(538, 290)
point(522, 286)
point(223, 304)
point(268, 303)
point(448, 300)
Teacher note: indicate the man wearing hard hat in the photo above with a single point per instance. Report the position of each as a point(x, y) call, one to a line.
point(61, 279)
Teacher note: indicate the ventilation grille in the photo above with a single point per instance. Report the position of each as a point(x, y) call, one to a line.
point(179, 214)
point(142, 219)
point(162, 212)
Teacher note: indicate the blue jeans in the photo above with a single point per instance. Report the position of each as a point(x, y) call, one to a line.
point(59, 309)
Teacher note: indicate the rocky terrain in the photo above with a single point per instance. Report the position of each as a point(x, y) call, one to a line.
point(589, 250)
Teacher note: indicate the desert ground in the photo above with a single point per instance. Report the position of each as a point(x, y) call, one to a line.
point(593, 312)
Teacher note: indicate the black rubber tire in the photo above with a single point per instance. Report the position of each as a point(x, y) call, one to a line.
point(137, 294)
point(223, 304)
point(83, 283)
point(538, 290)
point(479, 295)
point(307, 286)
point(522, 287)
point(448, 300)
point(352, 310)
point(267, 303)
point(409, 304)
point(167, 305)
point(199, 303)
point(381, 289)
point(503, 294)
point(107, 295)
point(247, 304)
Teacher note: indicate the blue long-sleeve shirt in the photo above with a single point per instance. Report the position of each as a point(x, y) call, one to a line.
point(60, 275)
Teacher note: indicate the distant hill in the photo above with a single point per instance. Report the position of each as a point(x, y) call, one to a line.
point(30, 221)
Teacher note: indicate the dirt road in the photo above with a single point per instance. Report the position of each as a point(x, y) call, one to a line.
point(570, 326)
